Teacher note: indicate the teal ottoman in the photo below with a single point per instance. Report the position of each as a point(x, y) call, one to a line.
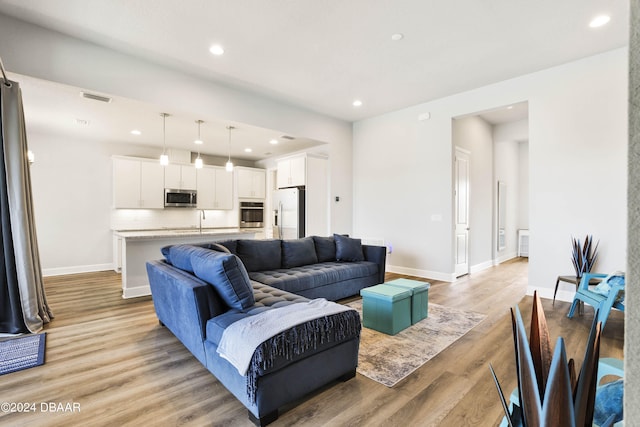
point(386, 308)
point(419, 297)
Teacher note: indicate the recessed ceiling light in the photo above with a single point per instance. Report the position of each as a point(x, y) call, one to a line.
point(248, 150)
point(397, 36)
point(136, 132)
point(599, 21)
point(273, 142)
point(357, 103)
point(83, 122)
point(216, 49)
point(510, 107)
point(198, 142)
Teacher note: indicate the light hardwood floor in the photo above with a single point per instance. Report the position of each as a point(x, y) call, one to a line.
point(111, 356)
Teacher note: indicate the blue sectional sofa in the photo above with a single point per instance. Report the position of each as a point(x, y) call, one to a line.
point(203, 292)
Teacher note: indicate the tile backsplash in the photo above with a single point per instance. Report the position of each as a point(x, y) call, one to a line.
point(152, 219)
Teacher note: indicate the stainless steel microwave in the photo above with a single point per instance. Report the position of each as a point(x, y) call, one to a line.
point(180, 198)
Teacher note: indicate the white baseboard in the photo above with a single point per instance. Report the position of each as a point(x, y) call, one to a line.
point(435, 275)
point(566, 296)
point(60, 271)
point(481, 266)
point(139, 291)
point(505, 258)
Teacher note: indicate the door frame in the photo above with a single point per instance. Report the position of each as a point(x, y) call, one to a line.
point(460, 269)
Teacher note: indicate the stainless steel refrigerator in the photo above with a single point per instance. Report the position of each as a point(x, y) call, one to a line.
point(289, 213)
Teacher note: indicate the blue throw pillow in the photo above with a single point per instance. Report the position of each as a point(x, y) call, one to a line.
point(298, 252)
point(226, 274)
point(348, 249)
point(609, 402)
point(180, 256)
point(325, 248)
point(260, 255)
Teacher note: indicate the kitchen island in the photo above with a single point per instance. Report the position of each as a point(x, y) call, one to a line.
point(133, 248)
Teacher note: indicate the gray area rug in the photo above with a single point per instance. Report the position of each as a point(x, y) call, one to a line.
point(388, 359)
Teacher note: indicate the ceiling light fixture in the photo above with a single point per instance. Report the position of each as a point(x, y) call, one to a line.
point(599, 21)
point(199, 142)
point(136, 132)
point(164, 159)
point(248, 150)
point(397, 36)
point(229, 165)
point(510, 107)
point(216, 50)
point(357, 103)
point(273, 141)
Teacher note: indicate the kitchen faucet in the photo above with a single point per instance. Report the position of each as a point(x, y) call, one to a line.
point(201, 217)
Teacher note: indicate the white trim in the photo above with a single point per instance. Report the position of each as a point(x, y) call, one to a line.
point(566, 296)
point(138, 291)
point(61, 271)
point(482, 266)
point(435, 275)
point(505, 258)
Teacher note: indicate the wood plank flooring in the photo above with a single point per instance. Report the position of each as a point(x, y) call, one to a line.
point(111, 357)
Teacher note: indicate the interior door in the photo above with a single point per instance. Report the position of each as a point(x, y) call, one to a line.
point(461, 202)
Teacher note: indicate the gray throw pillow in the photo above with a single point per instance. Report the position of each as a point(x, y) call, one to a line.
point(298, 252)
point(325, 248)
point(226, 274)
point(348, 249)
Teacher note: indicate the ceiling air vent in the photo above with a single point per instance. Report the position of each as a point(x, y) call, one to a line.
point(95, 97)
point(287, 137)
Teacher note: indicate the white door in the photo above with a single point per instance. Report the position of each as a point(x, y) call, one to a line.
point(461, 201)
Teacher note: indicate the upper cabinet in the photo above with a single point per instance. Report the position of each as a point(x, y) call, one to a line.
point(251, 183)
point(180, 177)
point(137, 184)
point(215, 188)
point(292, 172)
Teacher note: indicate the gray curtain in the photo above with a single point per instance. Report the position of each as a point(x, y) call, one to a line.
point(23, 304)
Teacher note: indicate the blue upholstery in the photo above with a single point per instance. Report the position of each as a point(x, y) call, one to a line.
point(325, 248)
point(348, 249)
point(298, 252)
point(226, 274)
point(601, 303)
point(197, 314)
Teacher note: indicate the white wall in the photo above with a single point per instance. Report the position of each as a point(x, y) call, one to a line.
point(475, 135)
point(523, 185)
point(577, 128)
point(34, 51)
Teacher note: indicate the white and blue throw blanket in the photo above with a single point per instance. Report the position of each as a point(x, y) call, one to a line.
point(286, 331)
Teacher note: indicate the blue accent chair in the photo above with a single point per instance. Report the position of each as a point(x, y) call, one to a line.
point(603, 297)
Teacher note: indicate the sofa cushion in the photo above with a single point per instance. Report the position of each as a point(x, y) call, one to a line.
point(348, 249)
point(298, 252)
point(266, 297)
point(226, 274)
point(301, 278)
point(180, 256)
point(325, 248)
point(230, 245)
point(258, 255)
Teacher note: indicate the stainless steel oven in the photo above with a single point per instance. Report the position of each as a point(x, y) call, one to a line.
point(251, 214)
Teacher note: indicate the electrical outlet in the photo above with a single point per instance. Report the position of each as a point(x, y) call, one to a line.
point(389, 248)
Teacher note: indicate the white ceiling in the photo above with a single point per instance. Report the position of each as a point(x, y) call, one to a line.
point(323, 54)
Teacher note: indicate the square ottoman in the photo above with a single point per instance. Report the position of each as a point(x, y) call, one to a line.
point(419, 297)
point(386, 308)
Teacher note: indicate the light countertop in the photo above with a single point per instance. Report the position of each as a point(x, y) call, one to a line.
point(184, 232)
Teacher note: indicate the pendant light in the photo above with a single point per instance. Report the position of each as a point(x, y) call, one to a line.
point(229, 165)
point(199, 142)
point(164, 158)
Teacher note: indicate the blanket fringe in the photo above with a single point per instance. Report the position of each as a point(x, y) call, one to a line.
point(299, 339)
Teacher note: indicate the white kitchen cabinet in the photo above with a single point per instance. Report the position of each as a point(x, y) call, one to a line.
point(251, 183)
point(215, 188)
point(180, 177)
point(292, 172)
point(137, 183)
